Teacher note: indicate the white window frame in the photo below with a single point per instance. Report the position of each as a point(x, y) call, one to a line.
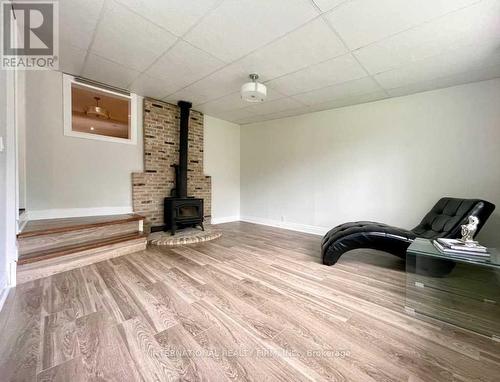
point(68, 118)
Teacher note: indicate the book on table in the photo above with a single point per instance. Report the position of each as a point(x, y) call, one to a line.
point(456, 247)
point(459, 245)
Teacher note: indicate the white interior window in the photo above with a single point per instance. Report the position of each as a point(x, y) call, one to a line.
point(93, 112)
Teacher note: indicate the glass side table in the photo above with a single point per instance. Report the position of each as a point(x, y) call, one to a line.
point(462, 292)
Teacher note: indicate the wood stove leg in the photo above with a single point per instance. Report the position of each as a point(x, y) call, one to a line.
point(202, 228)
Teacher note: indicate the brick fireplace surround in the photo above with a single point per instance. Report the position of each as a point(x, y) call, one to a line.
point(161, 152)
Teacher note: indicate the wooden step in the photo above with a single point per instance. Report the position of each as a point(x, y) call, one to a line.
point(42, 240)
point(68, 261)
point(51, 246)
point(51, 234)
point(80, 247)
point(50, 241)
point(52, 226)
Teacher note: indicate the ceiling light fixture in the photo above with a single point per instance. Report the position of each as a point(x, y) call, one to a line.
point(253, 91)
point(97, 111)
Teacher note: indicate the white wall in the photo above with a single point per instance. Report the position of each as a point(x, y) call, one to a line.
point(387, 161)
point(8, 226)
point(3, 183)
point(21, 136)
point(66, 175)
point(222, 163)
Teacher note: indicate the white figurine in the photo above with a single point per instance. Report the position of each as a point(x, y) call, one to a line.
point(469, 230)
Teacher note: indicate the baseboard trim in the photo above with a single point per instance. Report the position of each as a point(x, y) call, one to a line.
point(12, 268)
point(76, 212)
point(3, 296)
point(315, 230)
point(227, 219)
point(21, 222)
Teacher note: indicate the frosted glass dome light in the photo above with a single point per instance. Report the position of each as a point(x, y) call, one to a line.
point(253, 91)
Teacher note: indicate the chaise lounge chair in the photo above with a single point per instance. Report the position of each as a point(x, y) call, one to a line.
point(443, 220)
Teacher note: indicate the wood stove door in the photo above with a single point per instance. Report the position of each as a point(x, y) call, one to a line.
point(187, 212)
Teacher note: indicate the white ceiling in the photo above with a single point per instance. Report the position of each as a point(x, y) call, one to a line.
point(312, 54)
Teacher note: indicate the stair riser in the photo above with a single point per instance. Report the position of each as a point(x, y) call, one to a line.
point(30, 244)
point(44, 268)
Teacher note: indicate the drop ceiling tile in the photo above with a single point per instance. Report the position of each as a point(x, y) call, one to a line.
point(350, 100)
point(313, 43)
point(357, 87)
point(232, 116)
point(176, 16)
point(288, 113)
point(480, 74)
point(237, 27)
point(334, 71)
point(275, 106)
point(326, 5)
point(152, 87)
point(233, 101)
point(122, 36)
point(71, 59)
point(468, 26)
point(183, 65)
point(77, 21)
point(108, 72)
point(187, 94)
point(223, 82)
point(361, 22)
point(451, 62)
point(249, 120)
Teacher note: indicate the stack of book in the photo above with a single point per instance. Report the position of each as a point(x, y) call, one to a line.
point(458, 248)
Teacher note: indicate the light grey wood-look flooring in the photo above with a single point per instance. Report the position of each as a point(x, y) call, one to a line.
point(254, 305)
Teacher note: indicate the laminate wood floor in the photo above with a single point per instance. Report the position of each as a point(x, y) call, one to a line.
point(255, 305)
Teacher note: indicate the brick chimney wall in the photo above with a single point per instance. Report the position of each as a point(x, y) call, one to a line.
point(161, 152)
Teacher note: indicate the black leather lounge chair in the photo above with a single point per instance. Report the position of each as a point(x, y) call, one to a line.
point(444, 220)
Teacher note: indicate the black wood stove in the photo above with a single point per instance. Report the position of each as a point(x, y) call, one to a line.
point(181, 210)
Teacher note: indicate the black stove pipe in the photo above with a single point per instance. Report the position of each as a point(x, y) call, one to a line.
point(182, 168)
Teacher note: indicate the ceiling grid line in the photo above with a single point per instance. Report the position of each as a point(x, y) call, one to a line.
point(244, 56)
point(415, 26)
point(311, 53)
point(353, 55)
point(89, 49)
point(179, 38)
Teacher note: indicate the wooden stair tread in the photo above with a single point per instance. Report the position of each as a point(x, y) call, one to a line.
point(69, 249)
point(51, 226)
